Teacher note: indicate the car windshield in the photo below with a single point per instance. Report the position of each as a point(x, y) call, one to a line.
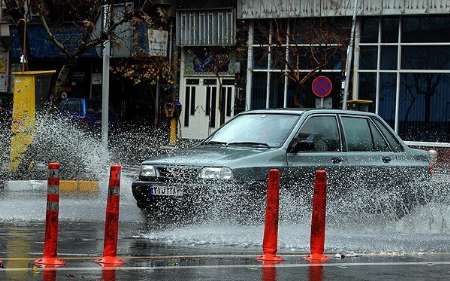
point(263, 130)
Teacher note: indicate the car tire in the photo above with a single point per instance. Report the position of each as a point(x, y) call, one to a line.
point(141, 204)
point(251, 208)
point(413, 195)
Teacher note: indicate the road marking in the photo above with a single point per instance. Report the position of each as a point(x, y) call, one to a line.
point(89, 257)
point(303, 265)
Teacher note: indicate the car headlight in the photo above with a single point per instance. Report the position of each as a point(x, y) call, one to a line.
point(222, 173)
point(148, 171)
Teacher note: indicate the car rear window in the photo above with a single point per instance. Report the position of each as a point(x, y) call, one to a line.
point(392, 140)
point(357, 134)
point(379, 143)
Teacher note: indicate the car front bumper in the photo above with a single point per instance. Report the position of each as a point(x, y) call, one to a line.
point(144, 191)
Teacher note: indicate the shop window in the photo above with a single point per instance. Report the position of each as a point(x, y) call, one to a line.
point(279, 32)
point(278, 57)
point(229, 105)
point(302, 58)
point(319, 30)
point(420, 29)
point(260, 55)
point(368, 58)
point(298, 58)
point(300, 96)
point(389, 29)
point(369, 30)
point(386, 99)
point(388, 60)
point(261, 32)
point(429, 57)
point(259, 90)
point(186, 107)
point(193, 100)
point(276, 97)
point(367, 90)
point(208, 101)
point(212, 116)
point(424, 109)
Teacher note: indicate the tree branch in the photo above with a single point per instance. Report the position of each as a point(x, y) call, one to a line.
point(52, 38)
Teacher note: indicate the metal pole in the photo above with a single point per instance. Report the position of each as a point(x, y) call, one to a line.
point(156, 121)
point(105, 78)
point(348, 63)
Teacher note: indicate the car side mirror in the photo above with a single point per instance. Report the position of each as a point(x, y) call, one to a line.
point(301, 145)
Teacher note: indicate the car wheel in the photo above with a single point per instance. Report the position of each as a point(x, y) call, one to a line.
point(165, 212)
point(413, 195)
point(251, 206)
point(141, 204)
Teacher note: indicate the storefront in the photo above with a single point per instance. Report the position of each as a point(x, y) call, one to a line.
point(401, 60)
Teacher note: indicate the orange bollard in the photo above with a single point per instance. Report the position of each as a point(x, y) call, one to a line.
point(269, 271)
point(112, 220)
point(317, 242)
point(270, 241)
point(51, 220)
point(315, 273)
point(49, 275)
point(108, 275)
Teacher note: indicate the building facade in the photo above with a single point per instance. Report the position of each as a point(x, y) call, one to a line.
point(400, 65)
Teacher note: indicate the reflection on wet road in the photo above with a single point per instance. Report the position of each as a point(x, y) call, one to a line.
point(413, 248)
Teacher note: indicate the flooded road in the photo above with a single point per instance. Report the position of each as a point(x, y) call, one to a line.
point(425, 230)
point(416, 245)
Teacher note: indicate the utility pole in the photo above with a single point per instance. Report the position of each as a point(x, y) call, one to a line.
point(105, 75)
point(348, 63)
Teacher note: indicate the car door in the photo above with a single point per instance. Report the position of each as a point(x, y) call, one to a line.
point(371, 163)
point(406, 167)
point(322, 132)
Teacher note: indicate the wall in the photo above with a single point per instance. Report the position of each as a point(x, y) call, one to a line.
point(252, 9)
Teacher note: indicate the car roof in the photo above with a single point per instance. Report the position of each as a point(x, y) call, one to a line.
point(300, 111)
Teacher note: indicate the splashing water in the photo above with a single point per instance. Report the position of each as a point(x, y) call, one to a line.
point(59, 138)
point(352, 226)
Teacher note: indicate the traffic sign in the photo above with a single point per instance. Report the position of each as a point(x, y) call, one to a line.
point(322, 86)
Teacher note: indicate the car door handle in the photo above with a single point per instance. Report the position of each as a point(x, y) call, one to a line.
point(336, 160)
point(386, 159)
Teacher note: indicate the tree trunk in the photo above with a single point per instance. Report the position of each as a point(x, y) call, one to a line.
point(61, 81)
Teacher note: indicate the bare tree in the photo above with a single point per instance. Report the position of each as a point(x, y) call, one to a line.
point(314, 45)
point(82, 14)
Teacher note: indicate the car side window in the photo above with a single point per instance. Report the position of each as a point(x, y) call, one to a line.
point(392, 140)
point(379, 143)
point(319, 133)
point(357, 134)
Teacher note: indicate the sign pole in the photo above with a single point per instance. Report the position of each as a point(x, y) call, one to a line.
point(105, 76)
point(321, 102)
point(348, 63)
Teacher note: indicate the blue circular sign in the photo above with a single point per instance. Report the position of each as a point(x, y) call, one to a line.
point(322, 86)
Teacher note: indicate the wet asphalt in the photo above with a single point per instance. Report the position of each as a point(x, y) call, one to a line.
point(417, 249)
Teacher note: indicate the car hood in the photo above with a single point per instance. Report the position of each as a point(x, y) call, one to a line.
point(209, 156)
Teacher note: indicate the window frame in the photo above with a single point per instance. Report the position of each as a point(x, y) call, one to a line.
point(391, 132)
point(336, 117)
point(381, 134)
point(368, 120)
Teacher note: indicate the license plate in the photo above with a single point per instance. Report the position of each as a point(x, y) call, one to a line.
point(166, 191)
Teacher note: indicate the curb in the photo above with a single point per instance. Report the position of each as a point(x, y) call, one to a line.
point(65, 186)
